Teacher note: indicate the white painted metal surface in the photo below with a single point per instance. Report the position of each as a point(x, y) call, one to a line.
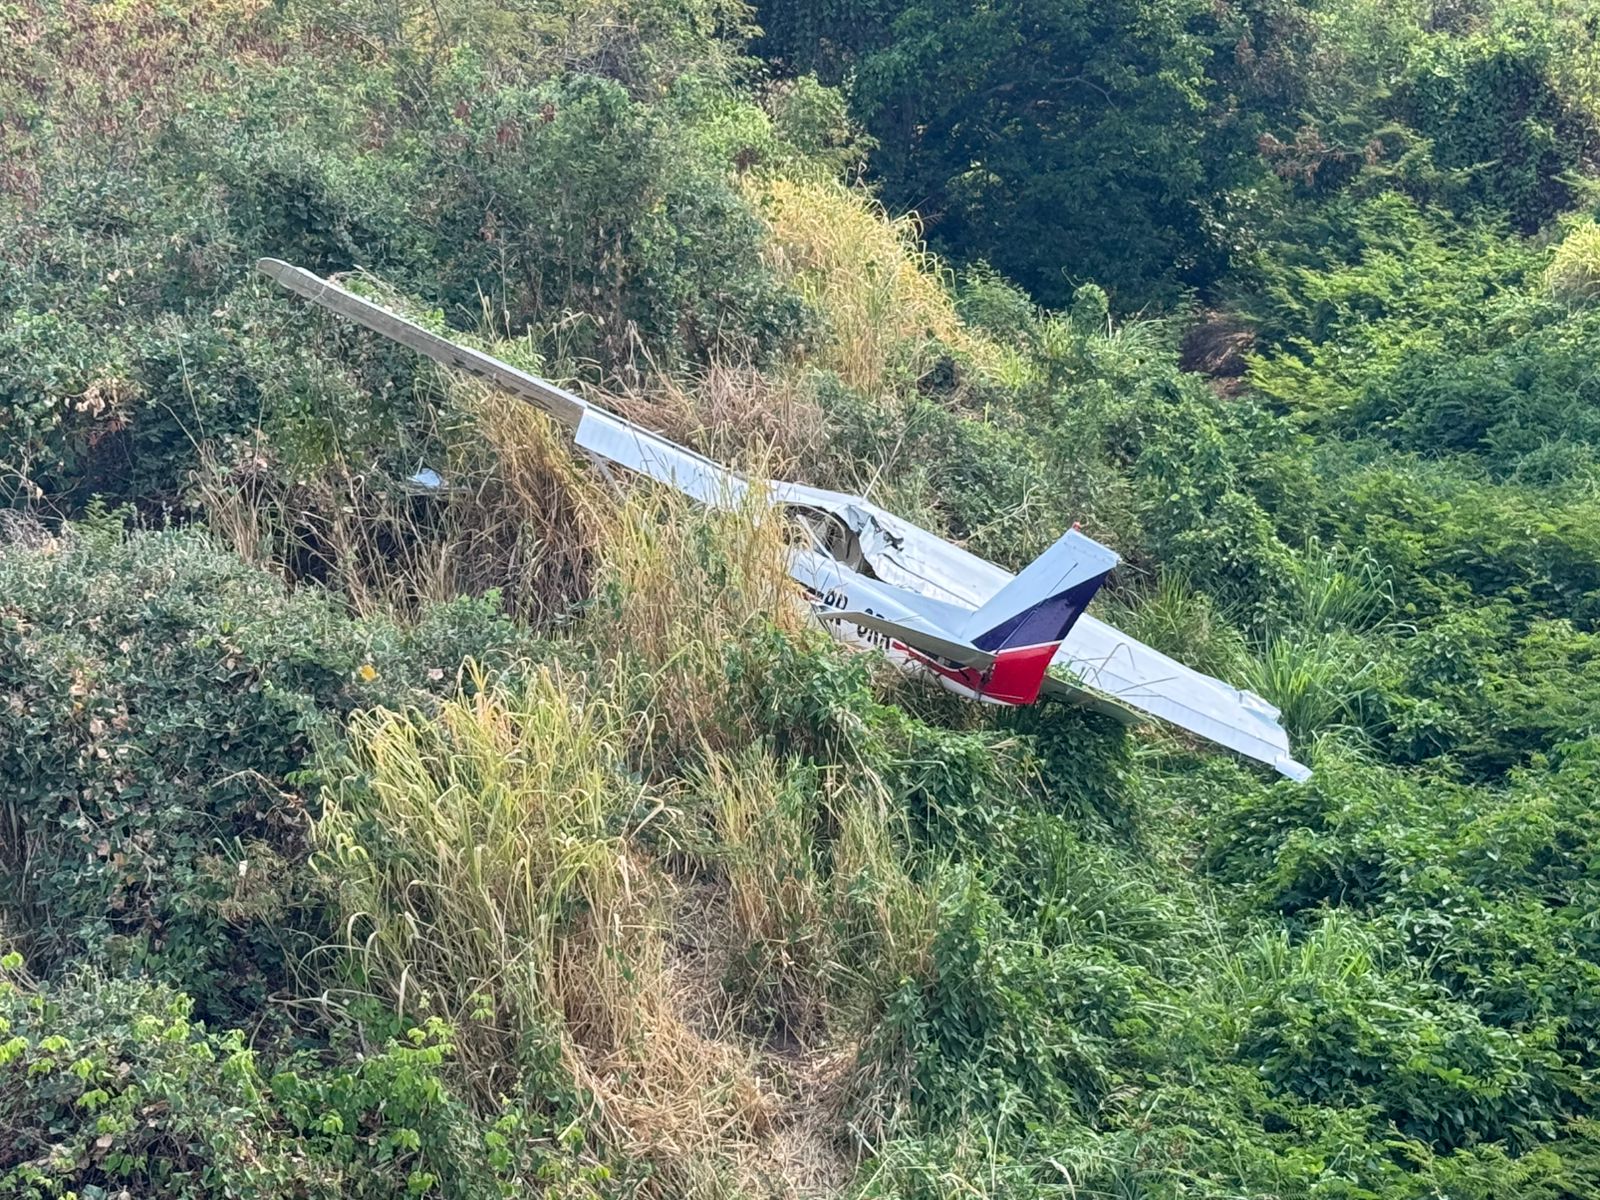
point(934, 588)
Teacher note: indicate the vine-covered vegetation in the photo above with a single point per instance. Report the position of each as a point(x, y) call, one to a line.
point(519, 837)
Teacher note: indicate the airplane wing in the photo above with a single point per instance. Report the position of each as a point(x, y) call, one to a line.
point(628, 445)
point(595, 430)
point(1107, 663)
point(558, 402)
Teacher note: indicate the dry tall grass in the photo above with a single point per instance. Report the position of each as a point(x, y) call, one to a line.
point(884, 919)
point(492, 860)
point(884, 298)
point(1573, 275)
point(821, 919)
point(517, 513)
point(483, 860)
point(763, 423)
point(678, 592)
point(765, 821)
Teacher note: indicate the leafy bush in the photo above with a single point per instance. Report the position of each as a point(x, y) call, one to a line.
point(1430, 336)
point(110, 1085)
point(996, 1027)
point(1475, 687)
point(1048, 119)
point(1499, 131)
point(1203, 520)
point(595, 206)
point(165, 704)
point(1351, 1031)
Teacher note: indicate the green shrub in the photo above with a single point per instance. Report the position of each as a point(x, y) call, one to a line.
point(1202, 518)
point(1081, 762)
point(1500, 133)
point(164, 707)
point(1000, 1027)
point(111, 1086)
point(1350, 1029)
point(1473, 685)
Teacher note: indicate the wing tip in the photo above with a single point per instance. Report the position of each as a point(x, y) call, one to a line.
point(1290, 769)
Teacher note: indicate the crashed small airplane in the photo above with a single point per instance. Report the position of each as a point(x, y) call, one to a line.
point(877, 581)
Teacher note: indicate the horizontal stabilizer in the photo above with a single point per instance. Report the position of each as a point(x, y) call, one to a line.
point(1110, 662)
point(917, 639)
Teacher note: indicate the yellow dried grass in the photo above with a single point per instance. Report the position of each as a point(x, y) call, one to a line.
point(482, 857)
point(678, 590)
point(885, 299)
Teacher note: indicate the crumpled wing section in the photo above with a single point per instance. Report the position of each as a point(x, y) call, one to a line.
point(904, 554)
point(628, 445)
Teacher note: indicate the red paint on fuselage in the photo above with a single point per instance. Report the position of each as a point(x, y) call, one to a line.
point(1014, 677)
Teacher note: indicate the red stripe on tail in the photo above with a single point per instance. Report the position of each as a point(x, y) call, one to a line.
point(1017, 675)
point(1014, 677)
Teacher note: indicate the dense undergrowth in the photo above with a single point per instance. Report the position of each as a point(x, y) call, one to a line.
point(522, 838)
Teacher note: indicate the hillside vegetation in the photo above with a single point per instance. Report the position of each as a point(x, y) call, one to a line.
point(525, 839)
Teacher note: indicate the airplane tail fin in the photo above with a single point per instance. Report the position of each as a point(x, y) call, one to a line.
point(1023, 623)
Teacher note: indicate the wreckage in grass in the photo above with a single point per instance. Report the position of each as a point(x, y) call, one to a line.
point(877, 581)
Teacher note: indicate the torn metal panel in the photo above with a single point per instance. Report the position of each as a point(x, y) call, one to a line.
point(901, 553)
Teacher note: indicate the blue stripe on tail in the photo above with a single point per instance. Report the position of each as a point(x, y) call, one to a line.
point(1048, 621)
